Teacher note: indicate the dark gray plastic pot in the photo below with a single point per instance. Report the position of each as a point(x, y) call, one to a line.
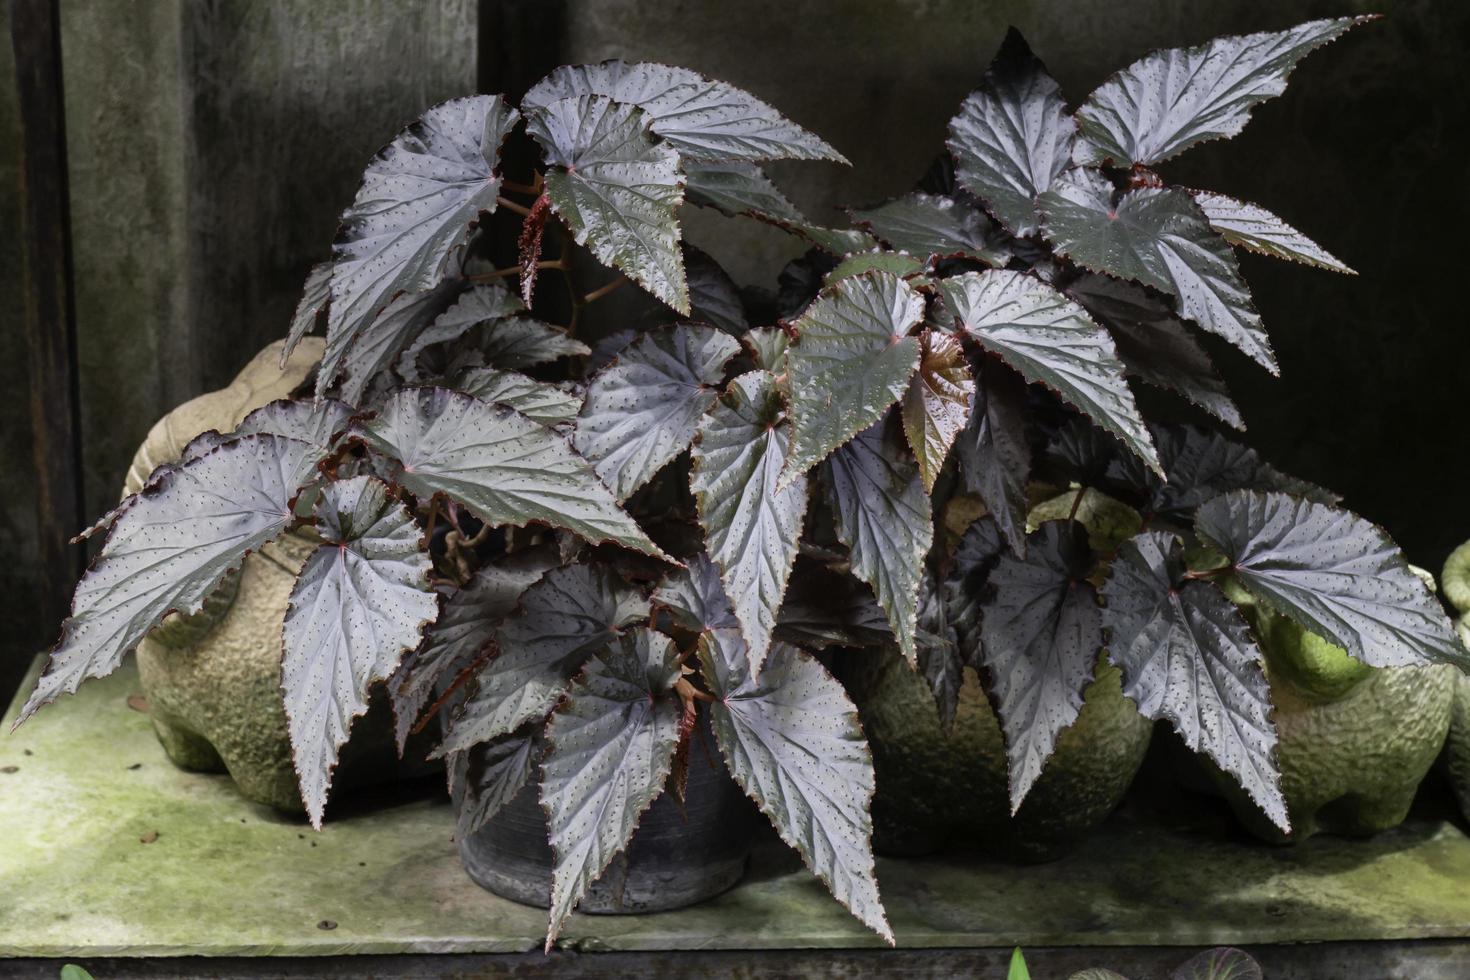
point(670, 863)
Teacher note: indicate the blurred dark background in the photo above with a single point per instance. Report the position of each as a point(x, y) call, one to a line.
point(210, 145)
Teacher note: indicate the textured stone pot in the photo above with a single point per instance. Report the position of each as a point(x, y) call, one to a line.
point(672, 861)
point(935, 790)
point(1456, 580)
point(212, 680)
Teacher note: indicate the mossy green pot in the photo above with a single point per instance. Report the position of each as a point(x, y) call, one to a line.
point(936, 791)
point(1456, 760)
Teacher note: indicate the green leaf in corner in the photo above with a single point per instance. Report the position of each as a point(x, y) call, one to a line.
point(1041, 632)
point(1188, 656)
point(1159, 237)
point(361, 601)
point(419, 199)
point(1222, 963)
point(1012, 136)
point(852, 359)
point(882, 514)
point(73, 972)
point(1333, 572)
point(616, 189)
point(930, 227)
point(1018, 969)
point(507, 469)
point(936, 408)
point(612, 748)
point(1254, 228)
point(1168, 101)
point(643, 409)
point(1052, 341)
point(793, 741)
point(700, 118)
point(751, 527)
point(541, 401)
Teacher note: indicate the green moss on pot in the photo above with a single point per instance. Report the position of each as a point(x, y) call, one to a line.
point(936, 791)
point(1456, 579)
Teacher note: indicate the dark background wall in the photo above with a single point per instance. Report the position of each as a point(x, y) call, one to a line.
point(213, 143)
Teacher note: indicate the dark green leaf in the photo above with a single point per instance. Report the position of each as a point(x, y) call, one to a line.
point(612, 747)
point(1187, 655)
point(419, 199)
point(894, 263)
point(930, 227)
point(940, 662)
point(739, 189)
point(504, 467)
point(966, 584)
point(994, 454)
point(566, 617)
point(170, 548)
point(487, 777)
point(750, 527)
point(793, 741)
point(1202, 465)
point(1168, 101)
point(1336, 574)
point(882, 514)
point(1052, 341)
point(1254, 228)
point(852, 359)
point(701, 118)
point(769, 346)
point(713, 295)
point(314, 297)
point(695, 597)
point(1012, 136)
point(1224, 963)
point(642, 410)
point(359, 604)
point(616, 189)
point(936, 407)
point(1159, 237)
point(541, 401)
point(1041, 631)
point(1154, 344)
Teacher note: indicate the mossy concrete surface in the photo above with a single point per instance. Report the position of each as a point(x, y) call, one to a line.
point(85, 783)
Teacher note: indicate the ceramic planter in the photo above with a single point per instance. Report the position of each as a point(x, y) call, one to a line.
point(1456, 581)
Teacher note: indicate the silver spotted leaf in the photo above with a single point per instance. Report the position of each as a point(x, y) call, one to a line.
point(1012, 136)
point(1333, 572)
point(1254, 228)
point(1188, 656)
point(1168, 101)
point(463, 632)
point(319, 423)
point(751, 527)
point(700, 118)
point(418, 201)
point(507, 469)
point(852, 359)
point(694, 597)
point(486, 319)
point(744, 189)
point(315, 295)
point(1222, 963)
point(713, 296)
point(546, 402)
point(479, 305)
point(1052, 341)
point(485, 778)
point(1041, 632)
point(567, 616)
point(1154, 344)
point(994, 453)
point(643, 409)
point(612, 748)
point(361, 602)
point(1157, 236)
point(899, 264)
point(170, 547)
point(936, 408)
point(793, 741)
point(616, 189)
point(882, 515)
point(930, 226)
point(359, 359)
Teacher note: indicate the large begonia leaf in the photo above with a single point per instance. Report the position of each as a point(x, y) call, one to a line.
point(1188, 656)
point(1154, 343)
point(994, 452)
point(643, 409)
point(744, 189)
point(377, 346)
point(612, 748)
point(882, 514)
point(485, 778)
point(700, 118)
point(463, 632)
point(1012, 136)
point(713, 296)
point(936, 408)
point(419, 199)
point(315, 295)
point(170, 548)
point(359, 604)
point(542, 401)
point(616, 189)
point(853, 358)
point(751, 527)
point(1159, 237)
point(793, 741)
point(965, 584)
point(929, 226)
point(1333, 572)
point(1253, 227)
point(563, 619)
point(507, 469)
point(1050, 340)
point(695, 597)
point(1168, 101)
point(1041, 632)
